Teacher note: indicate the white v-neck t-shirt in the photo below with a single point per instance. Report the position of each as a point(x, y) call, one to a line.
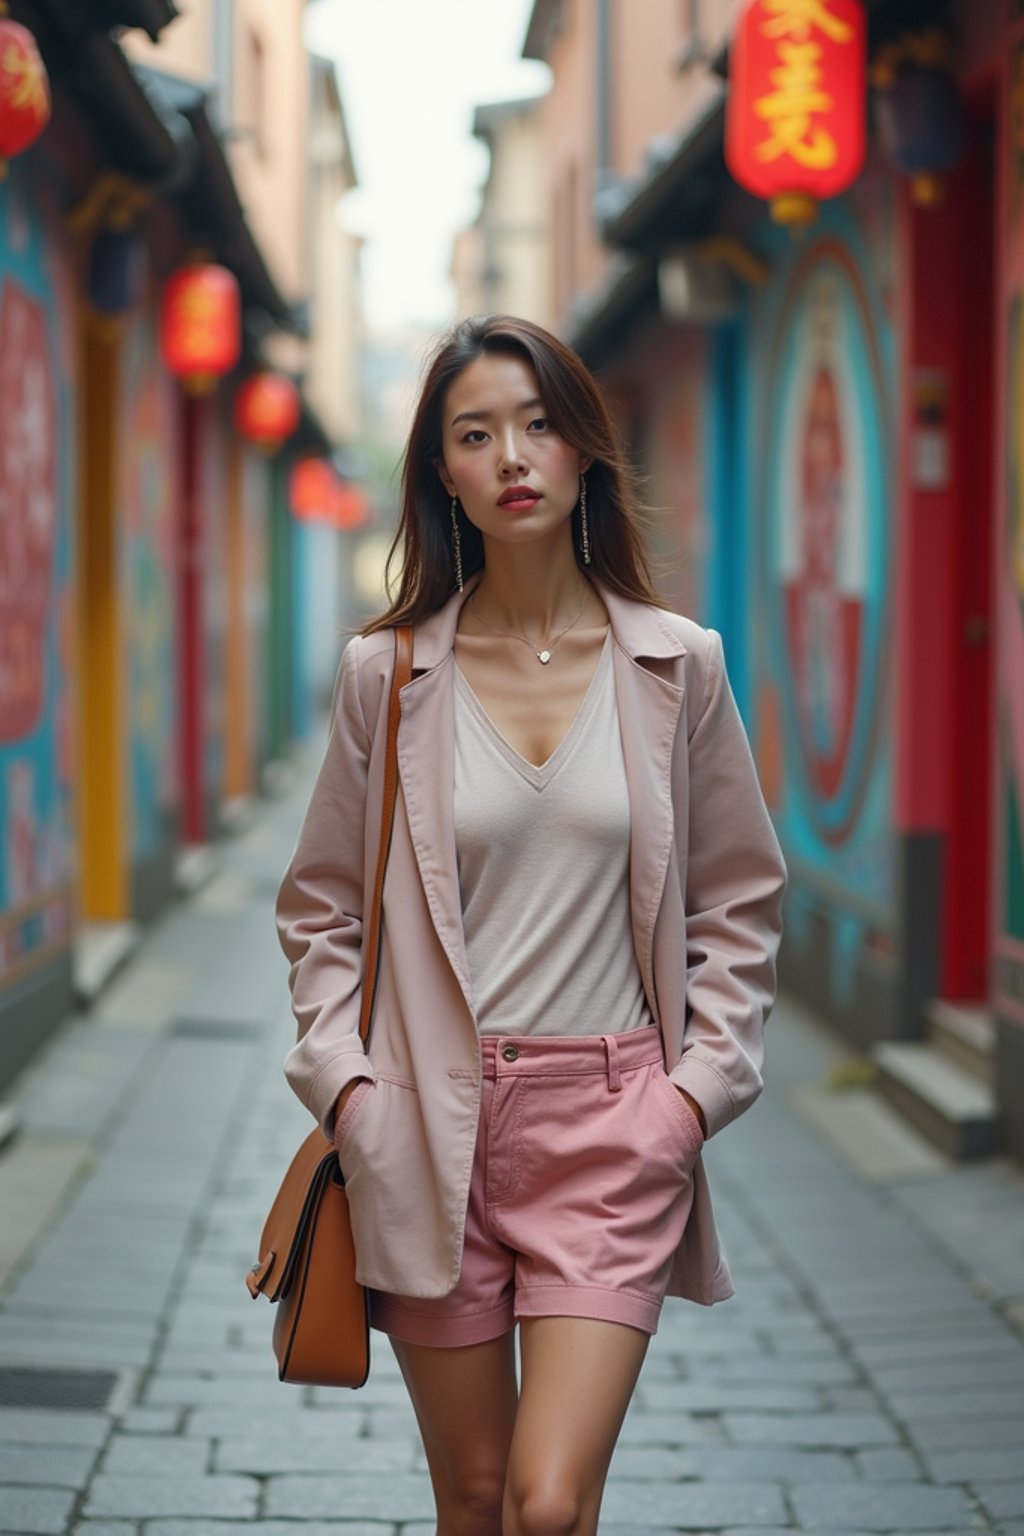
point(543, 860)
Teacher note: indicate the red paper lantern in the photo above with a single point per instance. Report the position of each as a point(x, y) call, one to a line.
point(350, 509)
point(267, 409)
point(319, 494)
point(313, 488)
point(795, 128)
point(24, 90)
point(201, 325)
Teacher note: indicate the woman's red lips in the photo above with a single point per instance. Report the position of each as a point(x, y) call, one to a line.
point(518, 493)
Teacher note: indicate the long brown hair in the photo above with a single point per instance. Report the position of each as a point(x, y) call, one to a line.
point(575, 405)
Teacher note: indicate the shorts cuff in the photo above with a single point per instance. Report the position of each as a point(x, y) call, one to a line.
point(603, 1306)
point(414, 1327)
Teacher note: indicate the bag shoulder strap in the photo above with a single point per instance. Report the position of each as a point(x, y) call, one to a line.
point(401, 674)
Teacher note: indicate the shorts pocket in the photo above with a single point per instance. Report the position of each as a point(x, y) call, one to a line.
point(680, 1108)
point(348, 1114)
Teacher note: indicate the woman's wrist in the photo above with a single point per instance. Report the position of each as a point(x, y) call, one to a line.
point(695, 1107)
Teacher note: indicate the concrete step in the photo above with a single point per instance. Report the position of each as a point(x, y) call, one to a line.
point(946, 1103)
point(100, 949)
point(239, 814)
point(965, 1033)
point(195, 865)
point(9, 1125)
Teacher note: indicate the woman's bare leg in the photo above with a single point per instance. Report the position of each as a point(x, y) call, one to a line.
point(578, 1377)
point(465, 1405)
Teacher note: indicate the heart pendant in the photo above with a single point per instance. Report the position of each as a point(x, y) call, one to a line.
point(544, 656)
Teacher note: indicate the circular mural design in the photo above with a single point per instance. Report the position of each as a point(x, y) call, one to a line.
point(827, 458)
point(29, 508)
point(1015, 500)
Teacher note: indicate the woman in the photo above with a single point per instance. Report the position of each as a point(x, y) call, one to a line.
point(581, 918)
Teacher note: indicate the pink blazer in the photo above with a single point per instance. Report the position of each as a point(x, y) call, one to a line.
point(706, 886)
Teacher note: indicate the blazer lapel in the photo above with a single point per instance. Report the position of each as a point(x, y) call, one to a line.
point(426, 768)
point(649, 708)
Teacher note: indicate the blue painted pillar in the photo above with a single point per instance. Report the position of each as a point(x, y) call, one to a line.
point(730, 563)
point(303, 545)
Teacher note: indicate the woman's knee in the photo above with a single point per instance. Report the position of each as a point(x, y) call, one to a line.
point(469, 1504)
point(544, 1512)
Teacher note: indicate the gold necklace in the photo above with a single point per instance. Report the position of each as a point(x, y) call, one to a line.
point(543, 656)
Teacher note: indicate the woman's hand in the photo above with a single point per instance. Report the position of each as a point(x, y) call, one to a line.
point(695, 1107)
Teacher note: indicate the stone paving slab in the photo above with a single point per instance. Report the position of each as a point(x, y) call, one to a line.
point(947, 1403)
point(694, 1506)
point(106, 1528)
point(35, 1173)
point(675, 1430)
point(725, 1464)
point(889, 1466)
point(148, 1495)
point(46, 1427)
point(401, 1496)
point(963, 1434)
point(171, 1455)
point(304, 1426)
point(45, 1466)
point(38, 1511)
point(902, 1507)
point(296, 1454)
point(1002, 1500)
point(278, 1528)
point(826, 1431)
point(1002, 1465)
point(707, 1396)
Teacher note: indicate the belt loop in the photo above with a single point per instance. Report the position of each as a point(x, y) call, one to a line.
point(611, 1050)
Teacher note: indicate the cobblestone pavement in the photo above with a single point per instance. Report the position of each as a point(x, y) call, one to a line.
point(867, 1377)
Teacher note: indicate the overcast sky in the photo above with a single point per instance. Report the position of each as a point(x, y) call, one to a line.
point(411, 72)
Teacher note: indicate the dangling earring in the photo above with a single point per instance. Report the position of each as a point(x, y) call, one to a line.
point(457, 544)
point(584, 527)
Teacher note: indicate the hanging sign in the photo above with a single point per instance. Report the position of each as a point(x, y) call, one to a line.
point(795, 129)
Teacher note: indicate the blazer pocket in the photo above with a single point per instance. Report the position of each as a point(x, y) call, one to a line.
point(348, 1114)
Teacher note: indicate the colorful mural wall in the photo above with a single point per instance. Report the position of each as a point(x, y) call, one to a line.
point(148, 547)
point(823, 351)
point(1008, 890)
point(37, 449)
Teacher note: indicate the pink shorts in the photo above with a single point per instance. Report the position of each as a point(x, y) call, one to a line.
point(581, 1188)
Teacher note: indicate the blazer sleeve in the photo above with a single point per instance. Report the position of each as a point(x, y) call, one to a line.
point(735, 882)
point(319, 911)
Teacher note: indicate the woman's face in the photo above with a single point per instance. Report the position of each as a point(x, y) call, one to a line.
point(496, 438)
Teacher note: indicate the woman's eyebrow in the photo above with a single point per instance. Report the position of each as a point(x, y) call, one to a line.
point(524, 405)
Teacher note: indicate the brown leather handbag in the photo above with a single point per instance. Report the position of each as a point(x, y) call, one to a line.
point(307, 1263)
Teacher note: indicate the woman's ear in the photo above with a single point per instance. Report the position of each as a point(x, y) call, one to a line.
point(586, 460)
point(446, 479)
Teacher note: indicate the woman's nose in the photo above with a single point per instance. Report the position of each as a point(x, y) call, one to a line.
point(512, 456)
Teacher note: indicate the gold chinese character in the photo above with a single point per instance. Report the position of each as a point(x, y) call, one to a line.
point(795, 18)
point(788, 110)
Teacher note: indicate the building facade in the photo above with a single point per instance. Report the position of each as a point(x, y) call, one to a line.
point(152, 577)
point(828, 428)
point(500, 263)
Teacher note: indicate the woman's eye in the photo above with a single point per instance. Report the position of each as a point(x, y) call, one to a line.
point(475, 432)
point(540, 421)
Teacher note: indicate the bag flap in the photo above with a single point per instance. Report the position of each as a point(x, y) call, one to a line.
point(314, 1164)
